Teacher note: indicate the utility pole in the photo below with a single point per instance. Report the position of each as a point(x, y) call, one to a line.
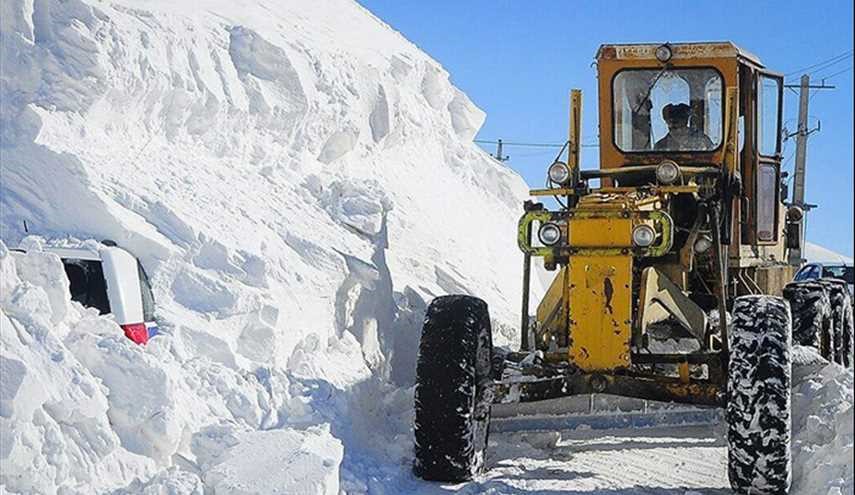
point(801, 157)
point(801, 143)
point(499, 155)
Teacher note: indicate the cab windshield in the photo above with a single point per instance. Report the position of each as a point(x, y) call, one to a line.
point(667, 110)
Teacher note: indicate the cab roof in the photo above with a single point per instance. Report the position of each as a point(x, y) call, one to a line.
point(706, 49)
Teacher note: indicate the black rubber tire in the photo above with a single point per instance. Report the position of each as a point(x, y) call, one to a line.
point(841, 320)
point(454, 390)
point(810, 306)
point(848, 332)
point(849, 336)
point(759, 396)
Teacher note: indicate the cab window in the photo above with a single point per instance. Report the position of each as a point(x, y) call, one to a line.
point(667, 110)
point(767, 201)
point(768, 109)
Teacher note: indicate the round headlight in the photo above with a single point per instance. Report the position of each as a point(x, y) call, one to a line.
point(667, 172)
point(795, 213)
point(549, 234)
point(559, 173)
point(643, 235)
point(702, 244)
point(663, 53)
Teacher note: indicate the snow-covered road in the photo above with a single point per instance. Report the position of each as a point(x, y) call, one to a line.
point(684, 460)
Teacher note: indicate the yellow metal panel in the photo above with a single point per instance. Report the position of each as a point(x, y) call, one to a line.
point(550, 315)
point(600, 232)
point(600, 311)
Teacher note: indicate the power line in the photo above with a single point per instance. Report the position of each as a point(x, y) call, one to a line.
point(831, 61)
point(836, 73)
point(531, 145)
point(534, 153)
point(511, 143)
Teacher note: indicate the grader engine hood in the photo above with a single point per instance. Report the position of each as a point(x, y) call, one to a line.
point(599, 241)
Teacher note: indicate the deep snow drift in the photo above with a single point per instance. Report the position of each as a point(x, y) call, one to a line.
point(299, 181)
point(84, 409)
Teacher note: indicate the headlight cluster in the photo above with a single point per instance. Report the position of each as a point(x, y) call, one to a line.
point(667, 172)
point(703, 243)
point(549, 234)
point(559, 173)
point(643, 235)
point(664, 53)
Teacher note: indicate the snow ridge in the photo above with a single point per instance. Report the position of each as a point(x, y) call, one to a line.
point(298, 180)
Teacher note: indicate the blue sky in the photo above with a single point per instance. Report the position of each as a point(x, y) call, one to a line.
point(518, 60)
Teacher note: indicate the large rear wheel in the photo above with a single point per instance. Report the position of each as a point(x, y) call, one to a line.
point(810, 306)
point(453, 389)
point(759, 395)
point(841, 321)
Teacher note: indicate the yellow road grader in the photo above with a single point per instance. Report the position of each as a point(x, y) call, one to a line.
point(670, 262)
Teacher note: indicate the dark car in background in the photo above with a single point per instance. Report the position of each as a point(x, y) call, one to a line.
point(840, 271)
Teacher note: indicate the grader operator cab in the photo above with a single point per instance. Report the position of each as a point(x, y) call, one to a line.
point(669, 261)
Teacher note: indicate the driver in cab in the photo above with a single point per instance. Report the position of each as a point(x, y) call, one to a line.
point(680, 136)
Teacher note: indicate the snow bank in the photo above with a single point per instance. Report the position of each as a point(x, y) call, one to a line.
point(92, 411)
point(822, 427)
point(817, 254)
point(54, 418)
point(298, 180)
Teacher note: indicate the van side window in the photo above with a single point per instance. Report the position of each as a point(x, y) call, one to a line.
point(86, 283)
point(147, 295)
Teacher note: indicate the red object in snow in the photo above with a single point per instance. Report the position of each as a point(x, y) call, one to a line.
point(136, 332)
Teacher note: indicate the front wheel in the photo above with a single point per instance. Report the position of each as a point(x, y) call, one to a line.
point(453, 390)
point(759, 395)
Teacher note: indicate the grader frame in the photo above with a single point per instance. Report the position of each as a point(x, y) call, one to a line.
point(591, 326)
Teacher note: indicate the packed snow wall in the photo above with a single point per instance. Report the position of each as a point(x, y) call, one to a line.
point(302, 158)
point(298, 180)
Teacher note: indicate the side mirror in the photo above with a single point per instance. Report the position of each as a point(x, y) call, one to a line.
point(795, 217)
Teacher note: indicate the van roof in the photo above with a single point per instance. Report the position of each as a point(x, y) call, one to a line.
point(80, 253)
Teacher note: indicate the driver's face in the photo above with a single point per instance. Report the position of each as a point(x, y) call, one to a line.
point(677, 123)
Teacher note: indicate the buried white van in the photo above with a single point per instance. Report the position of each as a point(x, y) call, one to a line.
point(113, 281)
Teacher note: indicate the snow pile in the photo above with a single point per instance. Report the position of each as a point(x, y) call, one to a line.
point(84, 409)
point(822, 426)
point(298, 180)
point(818, 254)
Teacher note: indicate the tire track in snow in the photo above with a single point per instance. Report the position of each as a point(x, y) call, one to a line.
point(688, 460)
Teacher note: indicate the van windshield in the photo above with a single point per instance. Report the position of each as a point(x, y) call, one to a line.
point(86, 283)
point(667, 110)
